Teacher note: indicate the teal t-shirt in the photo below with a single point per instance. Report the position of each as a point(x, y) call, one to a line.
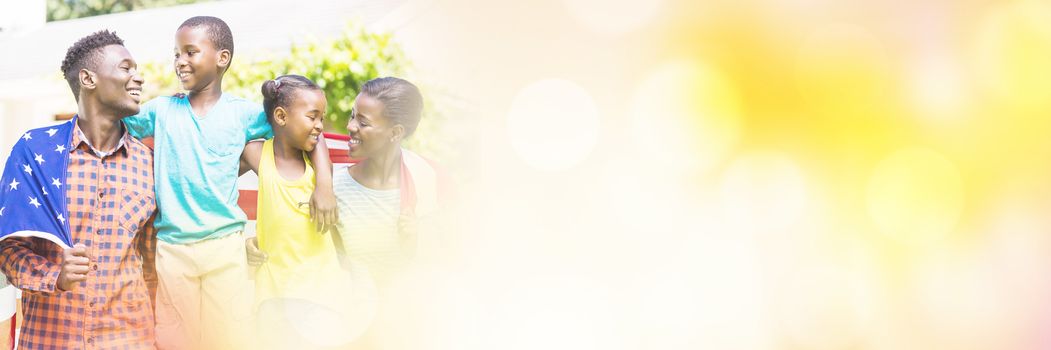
point(196, 161)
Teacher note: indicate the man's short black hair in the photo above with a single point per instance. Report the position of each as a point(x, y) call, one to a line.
point(218, 32)
point(85, 53)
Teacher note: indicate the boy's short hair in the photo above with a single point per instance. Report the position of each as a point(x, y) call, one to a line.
point(218, 32)
point(85, 54)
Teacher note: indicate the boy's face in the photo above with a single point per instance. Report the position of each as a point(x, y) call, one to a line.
point(197, 62)
point(117, 84)
point(301, 123)
point(370, 131)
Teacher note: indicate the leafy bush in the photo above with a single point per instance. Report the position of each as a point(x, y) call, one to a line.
point(58, 10)
point(339, 66)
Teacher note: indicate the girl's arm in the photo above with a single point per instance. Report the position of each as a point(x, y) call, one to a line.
point(323, 202)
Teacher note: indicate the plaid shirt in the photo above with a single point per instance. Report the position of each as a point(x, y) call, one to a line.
point(111, 202)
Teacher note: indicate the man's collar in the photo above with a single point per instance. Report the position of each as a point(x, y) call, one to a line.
point(78, 138)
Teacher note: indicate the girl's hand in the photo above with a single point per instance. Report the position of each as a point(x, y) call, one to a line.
point(256, 257)
point(323, 210)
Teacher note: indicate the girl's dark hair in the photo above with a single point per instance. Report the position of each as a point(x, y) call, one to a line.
point(280, 92)
point(402, 101)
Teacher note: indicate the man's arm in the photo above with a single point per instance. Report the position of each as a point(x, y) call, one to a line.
point(25, 269)
point(31, 272)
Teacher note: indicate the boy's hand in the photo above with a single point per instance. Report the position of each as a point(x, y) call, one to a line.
point(256, 257)
point(74, 267)
point(323, 209)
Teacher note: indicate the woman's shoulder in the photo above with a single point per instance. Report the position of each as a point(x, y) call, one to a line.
point(341, 176)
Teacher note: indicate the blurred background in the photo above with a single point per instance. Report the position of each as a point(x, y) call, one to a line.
point(752, 174)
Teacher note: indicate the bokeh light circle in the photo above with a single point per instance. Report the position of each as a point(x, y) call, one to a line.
point(685, 115)
point(842, 72)
point(764, 191)
point(613, 16)
point(553, 124)
point(916, 196)
point(1013, 48)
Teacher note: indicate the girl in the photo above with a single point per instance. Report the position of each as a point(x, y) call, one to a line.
point(380, 199)
point(301, 274)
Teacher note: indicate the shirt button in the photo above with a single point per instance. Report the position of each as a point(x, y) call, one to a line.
point(91, 340)
point(91, 304)
point(95, 267)
point(102, 193)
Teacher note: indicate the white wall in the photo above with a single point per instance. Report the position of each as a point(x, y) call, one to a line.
point(19, 113)
point(22, 16)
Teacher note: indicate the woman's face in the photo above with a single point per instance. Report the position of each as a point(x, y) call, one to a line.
point(370, 132)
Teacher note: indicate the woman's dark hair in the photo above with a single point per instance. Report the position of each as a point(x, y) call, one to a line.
point(280, 92)
point(402, 101)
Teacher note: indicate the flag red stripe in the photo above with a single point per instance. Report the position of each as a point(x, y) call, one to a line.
point(247, 200)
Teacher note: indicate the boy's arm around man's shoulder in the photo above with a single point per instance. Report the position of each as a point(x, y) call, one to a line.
point(143, 124)
point(250, 157)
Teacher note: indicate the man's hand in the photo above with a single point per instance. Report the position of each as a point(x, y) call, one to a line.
point(74, 267)
point(323, 210)
point(256, 257)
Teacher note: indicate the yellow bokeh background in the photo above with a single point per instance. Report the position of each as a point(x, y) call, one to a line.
point(767, 174)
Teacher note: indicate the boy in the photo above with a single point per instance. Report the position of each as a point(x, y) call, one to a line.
point(95, 294)
point(203, 299)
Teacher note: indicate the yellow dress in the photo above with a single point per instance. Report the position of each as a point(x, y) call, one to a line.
point(302, 263)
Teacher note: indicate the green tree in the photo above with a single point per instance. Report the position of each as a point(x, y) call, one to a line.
point(339, 66)
point(58, 10)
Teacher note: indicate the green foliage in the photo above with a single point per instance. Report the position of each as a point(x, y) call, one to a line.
point(339, 66)
point(58, 10)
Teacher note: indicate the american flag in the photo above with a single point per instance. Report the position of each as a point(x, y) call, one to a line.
point(32, 196)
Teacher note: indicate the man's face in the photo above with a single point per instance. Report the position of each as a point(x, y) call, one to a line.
point(118, 85)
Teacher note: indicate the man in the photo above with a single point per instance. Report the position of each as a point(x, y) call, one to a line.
point(94, 294)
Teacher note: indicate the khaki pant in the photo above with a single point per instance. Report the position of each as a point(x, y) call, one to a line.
point(204, 297)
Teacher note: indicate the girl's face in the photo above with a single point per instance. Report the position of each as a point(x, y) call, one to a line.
point(301, 124)
point(370, 132)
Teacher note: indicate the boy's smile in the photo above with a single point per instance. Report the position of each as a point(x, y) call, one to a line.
point(197, 63)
